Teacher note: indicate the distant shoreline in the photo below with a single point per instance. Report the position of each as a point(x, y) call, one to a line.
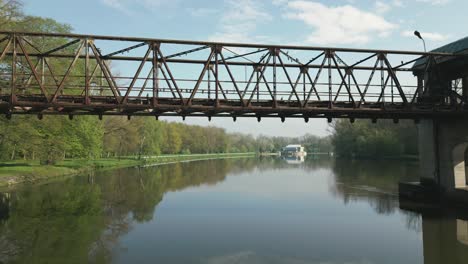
point(21, 172)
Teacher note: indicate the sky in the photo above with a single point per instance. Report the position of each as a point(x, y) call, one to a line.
point(381, 24)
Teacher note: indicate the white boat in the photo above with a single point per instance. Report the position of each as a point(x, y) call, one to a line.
point(294, 150)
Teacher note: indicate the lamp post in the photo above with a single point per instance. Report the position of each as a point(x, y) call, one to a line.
point(417, 34)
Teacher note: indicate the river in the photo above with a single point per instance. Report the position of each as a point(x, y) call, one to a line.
point(255, 210)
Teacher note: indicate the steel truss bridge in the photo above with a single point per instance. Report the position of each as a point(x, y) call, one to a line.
point(70, 74)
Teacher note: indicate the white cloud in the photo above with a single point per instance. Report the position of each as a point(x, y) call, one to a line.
point(202, 11)
point(129, 6)
point(433, 36)
point(116, 4)
point(240, 21)
point(382, 7)
point(339, 24)
point(435, 2)
point(279, 2)
point(397, 3)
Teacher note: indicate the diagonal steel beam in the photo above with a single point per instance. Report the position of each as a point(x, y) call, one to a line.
point(231, 76)
point(107, 56)
point(49, 67)
point(137, 74)
point(395, 79)
point(315, 58)
point(5, 50)
point(245, 54)
point(36, 75)
point(357, 85)
point(61, 47)
point(382, 94)
point(295, 84)
point(262, 73)
point(31, 76)
point(313, 88)
point(164, 62)
point(186, 52)
point(143, 87)
point(369, 82)
point(168, 83)
point(343, 78)
point(67, 73)
point(107, 74)
point(293, 87)
point(200, 78)
point(220, 87)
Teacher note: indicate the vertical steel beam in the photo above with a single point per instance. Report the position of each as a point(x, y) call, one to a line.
point(330, 88)
point(382, 77)
point(257, 87)
point(155, 69)
point(216, 76)
point(13, 71)
point(209, 81)
point(87, 78)
point(42, 60)
point(303, 84)
point(275, 99)
point(465, 88)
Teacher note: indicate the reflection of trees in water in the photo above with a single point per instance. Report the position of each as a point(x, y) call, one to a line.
point(80, 220)
point(310, 163)
point(4, 206)
point(375, 182)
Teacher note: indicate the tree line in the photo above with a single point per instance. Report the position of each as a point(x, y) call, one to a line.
point(374, 140)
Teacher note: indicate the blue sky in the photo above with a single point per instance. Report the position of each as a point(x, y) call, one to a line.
point(382, 24)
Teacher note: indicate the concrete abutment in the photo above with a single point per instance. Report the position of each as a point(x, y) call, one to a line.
point(443, 146)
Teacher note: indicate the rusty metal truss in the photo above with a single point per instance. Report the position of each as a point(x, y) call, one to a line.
point(69, 74)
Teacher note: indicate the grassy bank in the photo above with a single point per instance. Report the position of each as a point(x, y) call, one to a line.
point(22, 171)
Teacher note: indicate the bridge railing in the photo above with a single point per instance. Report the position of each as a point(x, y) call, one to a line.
point(84, 74)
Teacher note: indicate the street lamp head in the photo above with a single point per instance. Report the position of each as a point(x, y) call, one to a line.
point(417, 34)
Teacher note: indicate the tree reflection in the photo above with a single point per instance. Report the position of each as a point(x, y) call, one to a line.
point(80, 220)
point(375, 182)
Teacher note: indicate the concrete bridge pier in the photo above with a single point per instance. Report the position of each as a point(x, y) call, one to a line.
point(443, 146)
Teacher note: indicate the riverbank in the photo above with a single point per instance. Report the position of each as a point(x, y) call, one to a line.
point(16, 172)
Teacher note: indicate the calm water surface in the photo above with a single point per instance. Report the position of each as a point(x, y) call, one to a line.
point(228, 211)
